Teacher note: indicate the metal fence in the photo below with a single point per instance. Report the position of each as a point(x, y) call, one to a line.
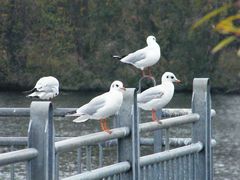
point(172, 158)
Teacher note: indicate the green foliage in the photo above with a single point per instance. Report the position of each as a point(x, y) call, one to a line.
point(74, 40)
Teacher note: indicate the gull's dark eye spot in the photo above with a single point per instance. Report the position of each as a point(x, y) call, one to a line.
point(172, 77)
point(117, 85)
point(167, 76)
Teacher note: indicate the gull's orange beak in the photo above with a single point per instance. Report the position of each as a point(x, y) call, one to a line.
point(177, 81)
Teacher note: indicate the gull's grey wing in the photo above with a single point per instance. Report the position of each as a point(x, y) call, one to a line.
point(149, 95)
point(134, 57)
point(93, 106)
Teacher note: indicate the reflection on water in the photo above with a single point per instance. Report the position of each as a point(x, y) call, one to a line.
point(226, 126)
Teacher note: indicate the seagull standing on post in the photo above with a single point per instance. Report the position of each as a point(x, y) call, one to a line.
point(143, 58)
point(46, 88)
point(158, 96)
point(102, 106)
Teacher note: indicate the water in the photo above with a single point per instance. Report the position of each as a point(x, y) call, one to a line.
point(226, 127)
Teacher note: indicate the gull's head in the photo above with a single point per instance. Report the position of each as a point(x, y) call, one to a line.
point(150, 40)
point(117, 86)
point(169, 77)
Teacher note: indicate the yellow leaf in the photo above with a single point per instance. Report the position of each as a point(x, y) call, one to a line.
point(223, 43)
point(226, 25)
point(210, 15)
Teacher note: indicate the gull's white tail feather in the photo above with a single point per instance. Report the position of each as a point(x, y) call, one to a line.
point(82, 118)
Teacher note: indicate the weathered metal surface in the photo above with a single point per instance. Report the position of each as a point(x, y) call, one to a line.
point(170, 122)
point(18, 156)
point(128, 147)
point(90, 139)
point(103, 172)
point(40, 133)
point(201, 104)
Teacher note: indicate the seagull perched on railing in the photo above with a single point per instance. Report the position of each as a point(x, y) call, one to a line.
point(102, 106)
point(143, 58)
point(46, 88)
point(158, 96)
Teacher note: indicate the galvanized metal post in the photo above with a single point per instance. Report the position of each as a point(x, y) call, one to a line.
point(41, 137)
point(128, 148)
point(158, 135)
point(201, 104)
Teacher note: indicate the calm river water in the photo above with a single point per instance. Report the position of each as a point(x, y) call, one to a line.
point(226, 126)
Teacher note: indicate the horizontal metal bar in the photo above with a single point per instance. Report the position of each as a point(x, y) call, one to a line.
point(173, 112)
point(25, 112)
point(102, 172)
point(61, 112)
point(170, 154)
point(176, 142)
point(170, 122)
point(21, 141)
point(172, 141)
point(18, 156)
point(90, 139)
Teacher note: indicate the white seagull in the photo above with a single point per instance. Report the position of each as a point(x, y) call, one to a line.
point(46, 88)
point(158, 96)
point(102, 106)
point(143, 58)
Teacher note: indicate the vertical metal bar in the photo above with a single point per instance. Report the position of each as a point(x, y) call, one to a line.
point(190, 165)
point(128, 147)
point(100, 156)
point(167, 139)
point(155, 171)
point(41, 137)
point(88, 158)
point(79, 160)
point(181, 168)
point(170, 167)
point(201, 104)
point(173, 167)
point(12, 166)
point(144, 173)
point(57, 166)
point(161, 166)
point(186, 167)
point(149, 174)
point(165, 170)
point(176, 169)
point(27, 170)
point(157, 137)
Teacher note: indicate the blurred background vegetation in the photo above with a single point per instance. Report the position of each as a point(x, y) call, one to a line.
point(73, 40)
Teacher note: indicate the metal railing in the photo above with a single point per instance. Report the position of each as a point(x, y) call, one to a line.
point(172, 158)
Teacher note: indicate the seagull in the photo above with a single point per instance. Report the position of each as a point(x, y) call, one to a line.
point(143, 58)
point(102, 106)
point(158, 96)
point(46, 88)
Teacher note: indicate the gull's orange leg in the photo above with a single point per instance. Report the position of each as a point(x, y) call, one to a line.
point(149, 71)
point(154, 117)
point(102, 125)
point(106, 127)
